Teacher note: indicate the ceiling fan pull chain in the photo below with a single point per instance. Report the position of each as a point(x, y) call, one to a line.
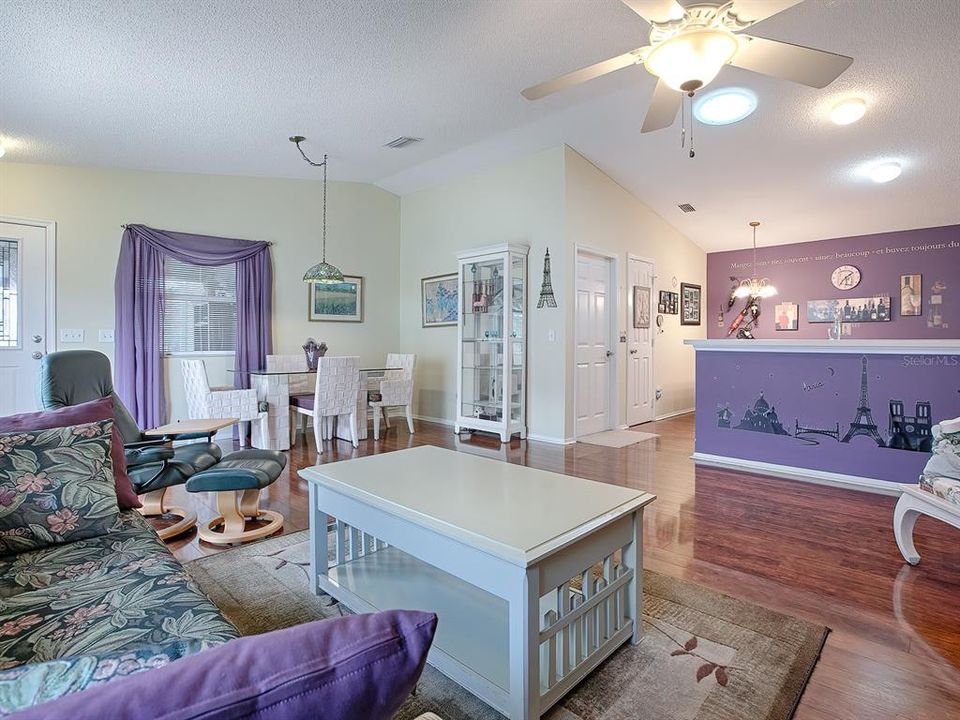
point(683, 126)
point(693, 121)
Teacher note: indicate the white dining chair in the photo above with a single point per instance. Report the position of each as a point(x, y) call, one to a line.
point(208, 402)
point(396, 391)
point(337, 392)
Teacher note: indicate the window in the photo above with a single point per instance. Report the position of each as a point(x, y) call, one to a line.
point(199, 308)
point(9, 284)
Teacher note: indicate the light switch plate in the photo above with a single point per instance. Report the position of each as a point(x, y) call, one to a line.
point(71, 335)
point(105, 335)
point(551, 336)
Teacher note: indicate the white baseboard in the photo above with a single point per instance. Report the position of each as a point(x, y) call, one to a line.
point(819, 477)
point(551, 440)
point(665, 416)
point(439, 421)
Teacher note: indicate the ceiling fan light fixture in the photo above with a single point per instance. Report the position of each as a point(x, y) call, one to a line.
point(725, 106)
point(691, 60)
point(848, 111)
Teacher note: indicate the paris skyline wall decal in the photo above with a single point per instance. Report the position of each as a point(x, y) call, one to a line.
point(911, 433)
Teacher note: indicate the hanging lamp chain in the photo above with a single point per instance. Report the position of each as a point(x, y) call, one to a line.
point(324, 253)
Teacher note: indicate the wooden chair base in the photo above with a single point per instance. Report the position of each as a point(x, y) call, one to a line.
point(235, 506)
point(154, 506)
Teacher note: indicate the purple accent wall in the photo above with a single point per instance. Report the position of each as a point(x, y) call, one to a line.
point(820, 391)
point(802, 272)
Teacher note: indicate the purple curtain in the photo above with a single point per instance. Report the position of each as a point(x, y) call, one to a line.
point(139, 299)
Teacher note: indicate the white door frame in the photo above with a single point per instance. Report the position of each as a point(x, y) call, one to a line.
point(50, 235)
point(628, 292)
point(613, 395)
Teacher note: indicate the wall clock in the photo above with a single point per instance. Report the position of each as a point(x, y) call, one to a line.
point(845, 277)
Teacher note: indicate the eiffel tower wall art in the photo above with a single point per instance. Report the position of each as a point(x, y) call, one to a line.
point(833, 412)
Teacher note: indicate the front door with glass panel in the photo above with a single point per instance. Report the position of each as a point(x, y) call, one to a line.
point(23, 314)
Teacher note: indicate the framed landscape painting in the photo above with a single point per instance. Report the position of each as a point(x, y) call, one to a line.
point(439, 300)
point(337, 302)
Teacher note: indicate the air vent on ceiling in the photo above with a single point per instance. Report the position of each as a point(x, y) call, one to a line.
point(687, 207)
point(402, 141)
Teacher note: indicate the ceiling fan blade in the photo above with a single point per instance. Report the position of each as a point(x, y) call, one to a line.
point(663, 108)
point(750, 12)
point(660, 11)
point(582, 75)
point(807, 66)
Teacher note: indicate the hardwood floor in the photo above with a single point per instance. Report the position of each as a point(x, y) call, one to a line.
point(821, 553)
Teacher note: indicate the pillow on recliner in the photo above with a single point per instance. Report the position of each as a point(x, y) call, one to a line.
point(56, 486)
point(92, 411)
point(357, 667)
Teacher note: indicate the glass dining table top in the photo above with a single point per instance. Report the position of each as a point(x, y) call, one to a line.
point(303, 372)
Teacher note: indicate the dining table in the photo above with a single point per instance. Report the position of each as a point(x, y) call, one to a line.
point(273, 430)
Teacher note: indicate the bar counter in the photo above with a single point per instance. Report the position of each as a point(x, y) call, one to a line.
point(847, 412)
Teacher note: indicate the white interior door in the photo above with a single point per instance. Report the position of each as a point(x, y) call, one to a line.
point(23, 314)
point(594, 347)
point(640, 392)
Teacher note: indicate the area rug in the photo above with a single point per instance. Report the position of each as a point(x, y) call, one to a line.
point(616, 438)
point(704, 656)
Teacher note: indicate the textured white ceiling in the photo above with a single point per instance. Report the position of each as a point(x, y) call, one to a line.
point(217, 86)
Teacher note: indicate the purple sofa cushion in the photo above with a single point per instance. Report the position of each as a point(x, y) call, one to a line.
point(93, 411)
point(349, 668)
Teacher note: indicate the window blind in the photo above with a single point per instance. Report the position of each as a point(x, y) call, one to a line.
point(199, 308)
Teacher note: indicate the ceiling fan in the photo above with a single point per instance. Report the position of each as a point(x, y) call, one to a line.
point(690, 41)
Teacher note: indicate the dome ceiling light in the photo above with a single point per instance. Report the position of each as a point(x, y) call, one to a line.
point(848, 111)
point(688, 47)
point(725, 106)
point(885, 172)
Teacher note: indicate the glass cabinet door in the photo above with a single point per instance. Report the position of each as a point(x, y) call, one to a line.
point(517, 330)
point(482, 320)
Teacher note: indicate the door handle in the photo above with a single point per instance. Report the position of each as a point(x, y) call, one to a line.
point(36, 338)
point(633, 352)
point(609, 353)
point(37, 355)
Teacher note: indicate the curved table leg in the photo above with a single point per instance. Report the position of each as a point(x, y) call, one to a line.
point(904, 518)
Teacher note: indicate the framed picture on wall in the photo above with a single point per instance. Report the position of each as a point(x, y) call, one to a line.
point(641, 306)
point(336, 302)
point(668, 300)
point(911, 298)
point(690, 301)
point(850, 310)
point(439, 300)
point(786, 316)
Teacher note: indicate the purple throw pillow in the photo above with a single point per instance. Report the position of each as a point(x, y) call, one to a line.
point(93, 411)
point(348, 668)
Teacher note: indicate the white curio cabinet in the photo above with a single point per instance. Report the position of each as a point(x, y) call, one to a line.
point(492, 340)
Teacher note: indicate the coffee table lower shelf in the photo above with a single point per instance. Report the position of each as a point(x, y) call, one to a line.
point(473, 637)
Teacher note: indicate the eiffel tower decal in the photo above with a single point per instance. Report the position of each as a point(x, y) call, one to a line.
point(863, 423)
point(546, 290)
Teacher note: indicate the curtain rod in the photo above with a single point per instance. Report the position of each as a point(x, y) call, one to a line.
point(124, 227)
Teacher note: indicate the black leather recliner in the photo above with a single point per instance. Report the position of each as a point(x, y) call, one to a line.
point(71, 377)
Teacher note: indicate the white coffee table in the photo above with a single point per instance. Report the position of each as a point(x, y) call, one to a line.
point(491, 548)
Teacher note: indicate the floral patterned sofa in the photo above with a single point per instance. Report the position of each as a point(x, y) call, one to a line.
point(85, 612)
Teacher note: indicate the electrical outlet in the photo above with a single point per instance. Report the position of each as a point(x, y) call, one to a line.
point(71, 335)
point(105, 335)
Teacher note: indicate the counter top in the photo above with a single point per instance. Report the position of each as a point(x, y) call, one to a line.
point(872, 347)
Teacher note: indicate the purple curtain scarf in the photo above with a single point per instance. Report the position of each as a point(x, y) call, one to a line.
point(138, 368)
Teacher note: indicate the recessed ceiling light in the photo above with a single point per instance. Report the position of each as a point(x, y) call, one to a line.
point(848, 111)
point(725, 106)
point(885, 172)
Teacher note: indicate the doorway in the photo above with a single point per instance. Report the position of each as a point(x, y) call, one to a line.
point(27, 262)
point(640, 383)
point(594, 339)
